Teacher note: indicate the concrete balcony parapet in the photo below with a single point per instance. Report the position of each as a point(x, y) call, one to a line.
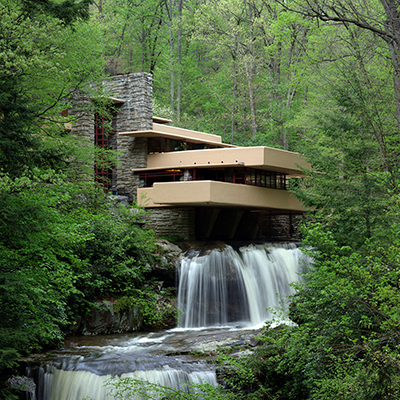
point(217, 194)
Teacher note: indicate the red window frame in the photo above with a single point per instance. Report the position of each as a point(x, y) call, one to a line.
point(242, 175)
point(104, 137)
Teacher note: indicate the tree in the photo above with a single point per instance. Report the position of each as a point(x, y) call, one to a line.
point(38, 69)
point(36, 74)
point(235, 23)
point(134, 34)
point(381, 18)
point(348, 188)
point(345, 341)
point(349, 133)
point(63, 245)
point(261, 48)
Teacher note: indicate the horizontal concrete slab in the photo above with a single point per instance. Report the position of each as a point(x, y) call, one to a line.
point(260, 157)
point(173, 133)
point(220, 194)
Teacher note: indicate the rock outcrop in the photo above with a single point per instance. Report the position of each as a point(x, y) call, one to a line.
point(102, 318)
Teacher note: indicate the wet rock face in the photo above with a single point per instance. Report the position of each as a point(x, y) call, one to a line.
point(170, 256)
point(22, 383)
point(101, 319)
point(171, 250)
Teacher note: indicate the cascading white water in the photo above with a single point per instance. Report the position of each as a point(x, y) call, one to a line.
point(88, 375)
point(217, 287)
point(74, 385)
point(227, 287)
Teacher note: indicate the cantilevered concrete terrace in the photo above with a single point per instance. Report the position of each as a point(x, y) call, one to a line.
point(217, 194)
point(217, 175)
point(265, 158)
point(184, 135)
point(265, 171)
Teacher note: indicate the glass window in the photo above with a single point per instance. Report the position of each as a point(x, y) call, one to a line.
point(104, 137)
point(258, 177)
point(273, 180)
point(250, 176)
point(268, 179)
point(229, 175)
point(240, 175)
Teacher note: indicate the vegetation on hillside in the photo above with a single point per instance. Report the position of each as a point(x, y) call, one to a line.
point(320, 77)
point(316, 76)
point(63, 243)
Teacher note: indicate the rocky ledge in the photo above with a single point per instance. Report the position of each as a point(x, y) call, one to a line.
point(104, 317)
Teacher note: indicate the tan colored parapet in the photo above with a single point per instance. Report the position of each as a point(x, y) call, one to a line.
point(184, 135)
point(218, 194)
point(159, 120)
point(110, 99)
point(171, 136)
point(145, 198)
point(186, 132)
point(255, 157)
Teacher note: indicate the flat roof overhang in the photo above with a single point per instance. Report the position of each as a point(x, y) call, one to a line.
point(173, 133)
point(260, 157)
point(217, 194)
point(114, 100)
point(159, 120)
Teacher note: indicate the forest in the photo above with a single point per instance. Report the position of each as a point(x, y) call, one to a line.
point(320, 77)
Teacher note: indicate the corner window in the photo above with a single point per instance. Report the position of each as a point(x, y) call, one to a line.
point(104, 137)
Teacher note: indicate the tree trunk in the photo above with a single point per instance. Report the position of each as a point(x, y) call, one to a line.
point(249, 74)
point(178, 62)
point(234, 98)
point(249, 68)
point(392, 27)
point(171, 58)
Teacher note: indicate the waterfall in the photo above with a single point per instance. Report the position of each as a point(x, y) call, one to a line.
point(58, 384)
point(227, 287)
point(218, 287)
point(87, 376)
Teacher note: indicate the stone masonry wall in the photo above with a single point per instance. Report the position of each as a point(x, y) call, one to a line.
point(136, 113)
point(83, 117)
point(278, 227)
point(172, 222)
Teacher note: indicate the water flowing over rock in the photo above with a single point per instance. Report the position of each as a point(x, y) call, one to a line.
point(223, 286)
point(219, 288)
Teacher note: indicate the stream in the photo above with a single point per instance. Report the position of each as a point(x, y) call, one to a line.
point(224, 295)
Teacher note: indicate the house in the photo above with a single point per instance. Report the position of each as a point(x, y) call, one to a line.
point(193, 185)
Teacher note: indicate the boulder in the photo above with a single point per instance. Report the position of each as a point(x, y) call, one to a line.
point(101, 319)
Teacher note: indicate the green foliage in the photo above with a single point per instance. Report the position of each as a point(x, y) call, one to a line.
point(154, 315)
point(59, 251)
point(43, 60)
point(116, 251)
point(123, 388)
point(237, 374)
point(354, 166)
point(346, 341)
point(63, 243)
point(135, 38)
point(324, 90)
point(66, 11)
point(225, 64)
